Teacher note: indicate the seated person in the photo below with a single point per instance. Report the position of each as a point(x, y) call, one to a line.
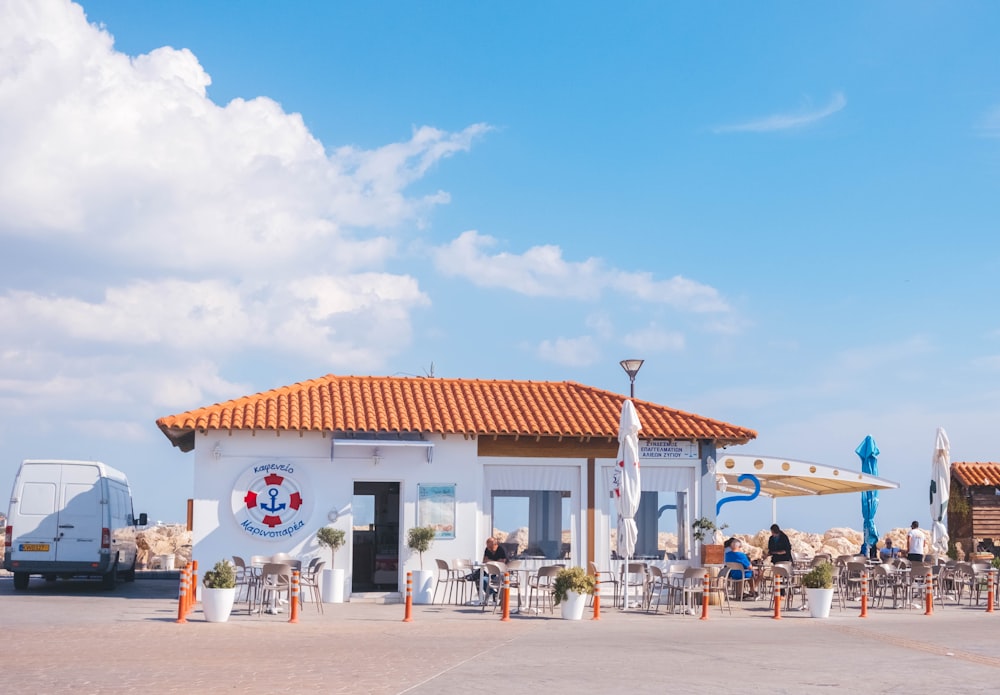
point(494, 552)
point(735, 554)
point(888, 552)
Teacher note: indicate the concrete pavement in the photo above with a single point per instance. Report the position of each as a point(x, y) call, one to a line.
point(72, 635)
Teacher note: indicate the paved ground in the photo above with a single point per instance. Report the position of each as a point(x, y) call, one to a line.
point(72, 635)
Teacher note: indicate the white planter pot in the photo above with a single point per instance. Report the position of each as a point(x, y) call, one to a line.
point(332, 586)
point(573, 605)
point(217, 604)
point(820, 601)
point(423, 586)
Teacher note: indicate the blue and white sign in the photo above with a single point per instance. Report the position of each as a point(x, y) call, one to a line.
point(667, 449)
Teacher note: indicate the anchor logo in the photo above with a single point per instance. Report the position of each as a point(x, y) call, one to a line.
point(274, 483)
point(274, 507)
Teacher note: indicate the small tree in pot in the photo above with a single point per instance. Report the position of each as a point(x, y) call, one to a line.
point(819, 589)
point(219, 592)
point(419, 539)
point(332, 538)
point(572, 579)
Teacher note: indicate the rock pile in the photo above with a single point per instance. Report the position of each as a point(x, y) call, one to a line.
point(157, 543)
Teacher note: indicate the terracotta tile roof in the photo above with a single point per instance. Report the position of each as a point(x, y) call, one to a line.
point(976, 473)
point(371, 404)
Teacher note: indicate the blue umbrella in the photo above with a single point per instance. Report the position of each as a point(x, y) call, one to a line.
point(868, 452)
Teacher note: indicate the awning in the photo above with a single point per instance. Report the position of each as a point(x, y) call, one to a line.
point(787, 478)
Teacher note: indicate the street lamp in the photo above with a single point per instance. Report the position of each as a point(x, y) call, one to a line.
point(631, 368)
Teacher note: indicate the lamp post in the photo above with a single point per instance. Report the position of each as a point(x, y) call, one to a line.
point(631, 368)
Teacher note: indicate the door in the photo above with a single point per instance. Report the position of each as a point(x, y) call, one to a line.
point(375, 538)
point(34, 517)
point(81, 514)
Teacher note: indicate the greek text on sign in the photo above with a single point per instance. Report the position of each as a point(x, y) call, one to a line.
point(268, 501)
point(666, 449)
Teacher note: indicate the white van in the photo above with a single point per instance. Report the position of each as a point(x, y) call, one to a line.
point(68, 519)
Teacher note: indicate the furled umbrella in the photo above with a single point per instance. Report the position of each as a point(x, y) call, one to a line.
point(627, 487)
point(940, 491)
point(868, 452)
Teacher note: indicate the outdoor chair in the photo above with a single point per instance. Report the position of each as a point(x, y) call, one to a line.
point(605, 577)
point(688, 590)
point(540, 587)
point(737, 582)
point(275, 580)
point(310, 580)
point(634, 582)
point(448, 578)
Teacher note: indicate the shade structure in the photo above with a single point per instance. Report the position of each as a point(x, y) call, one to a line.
point(627, 483)
point(868, 452)
point(780, 477)
point(940, 491)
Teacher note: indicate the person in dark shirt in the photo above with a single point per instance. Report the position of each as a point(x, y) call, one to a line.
point(779, 548)
point(494, 552)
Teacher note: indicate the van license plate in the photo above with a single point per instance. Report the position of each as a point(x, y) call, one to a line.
point(34, 547)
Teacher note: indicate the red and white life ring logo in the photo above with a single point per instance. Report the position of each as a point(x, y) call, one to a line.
point(268, 502)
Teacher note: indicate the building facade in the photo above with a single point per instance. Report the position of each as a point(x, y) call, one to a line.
point(376, 456)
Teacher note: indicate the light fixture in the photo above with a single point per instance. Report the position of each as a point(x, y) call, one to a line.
point(376, 457)
point(217, 451)
point(631, 368)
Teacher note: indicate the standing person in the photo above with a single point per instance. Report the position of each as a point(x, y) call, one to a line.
point(915, 543)
point(778, 545)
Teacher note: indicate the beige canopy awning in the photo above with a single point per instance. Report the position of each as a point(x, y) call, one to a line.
point(787, 478)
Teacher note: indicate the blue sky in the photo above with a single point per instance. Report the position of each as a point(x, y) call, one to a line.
point(788, 210)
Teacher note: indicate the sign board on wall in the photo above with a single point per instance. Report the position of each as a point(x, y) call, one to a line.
point(268, 501)
point(436, 508)
point(667, 449)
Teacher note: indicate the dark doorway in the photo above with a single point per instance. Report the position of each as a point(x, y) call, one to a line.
point(376, 537)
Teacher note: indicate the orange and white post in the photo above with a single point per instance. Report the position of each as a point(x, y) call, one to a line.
point(506, 598)
point(408, 616)
point(864, 594)
point(294, 608)
point(777, 598)
point(929, 587)
point(597, 597)
point(181, 600)
point(705, 588)
point(991, 589)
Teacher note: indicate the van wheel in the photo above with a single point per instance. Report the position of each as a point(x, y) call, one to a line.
point(110, 580)
point(21, 581)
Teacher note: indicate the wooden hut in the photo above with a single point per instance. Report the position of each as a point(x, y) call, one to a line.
point(974, 505)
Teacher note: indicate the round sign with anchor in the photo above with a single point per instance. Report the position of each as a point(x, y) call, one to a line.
point(268, 501)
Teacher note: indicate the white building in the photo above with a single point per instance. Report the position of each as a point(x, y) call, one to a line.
point(376, 456)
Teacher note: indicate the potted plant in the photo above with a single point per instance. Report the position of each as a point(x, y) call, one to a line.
point(419, 539)
point(333, 578)
point(570, 588)
point(218, 592)
point(712, 553)
point(819, 589)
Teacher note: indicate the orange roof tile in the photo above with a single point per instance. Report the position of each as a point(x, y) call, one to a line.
point(976, 473)
point(371, 404)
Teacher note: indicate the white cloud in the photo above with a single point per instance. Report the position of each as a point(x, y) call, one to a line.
point(989, 125)
point(541, 271)
point(787, 121)
point(173, 234)
point(652, 339)
point(570, 352)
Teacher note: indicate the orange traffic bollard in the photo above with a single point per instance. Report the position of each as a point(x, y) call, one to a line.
point(990, 588)
point(777, 598)
point(188, 589)
point(408, 617)
point(193, 586)
point(181, 600)
point(505, 617)
point(597, 598)
point(704, 597)
point(294, 609)
point(930, 594)
point(864, 594)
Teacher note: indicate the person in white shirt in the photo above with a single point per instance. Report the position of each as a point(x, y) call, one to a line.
point(915, 543)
